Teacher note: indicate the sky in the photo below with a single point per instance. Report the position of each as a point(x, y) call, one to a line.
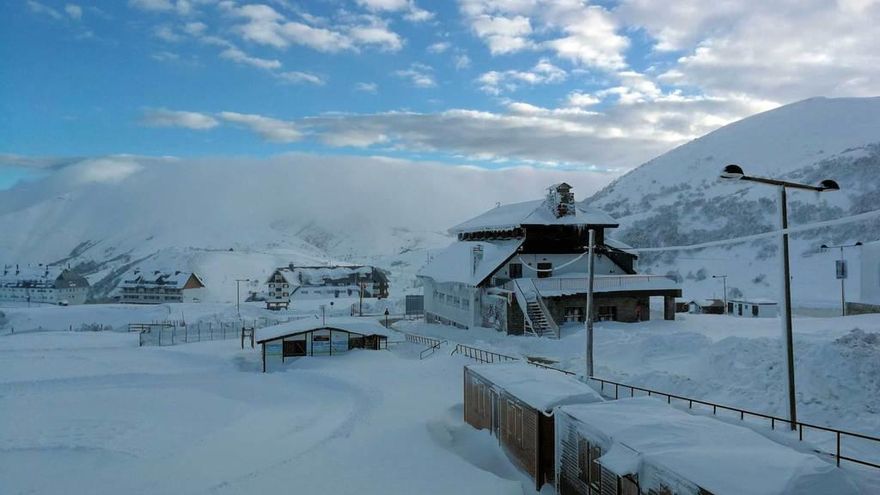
point(590, 86)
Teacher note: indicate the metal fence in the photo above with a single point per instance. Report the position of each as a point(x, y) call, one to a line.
point(802, 428)
point(481, 355)
point(431, 343)
point(173, 333)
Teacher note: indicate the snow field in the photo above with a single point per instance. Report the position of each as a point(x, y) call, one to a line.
point(86, 412)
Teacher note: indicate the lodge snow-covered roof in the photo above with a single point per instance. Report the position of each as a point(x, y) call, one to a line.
point(542, 389)
point(710, 453)
point(40, 277)
point(363, 326)
point(455, 263)
point(317, 275)
point(159, 278)
point(511, 216)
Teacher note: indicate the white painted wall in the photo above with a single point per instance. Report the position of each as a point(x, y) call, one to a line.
point(603, 265)
point(870, 273)
point(440, 299)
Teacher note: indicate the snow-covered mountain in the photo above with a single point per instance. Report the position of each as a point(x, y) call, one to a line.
point(678, 199)
point(228, 219)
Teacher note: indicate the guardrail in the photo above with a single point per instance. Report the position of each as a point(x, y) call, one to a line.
point(432, 343)
point(743, 414)
point(601, 283)
point(481, 355)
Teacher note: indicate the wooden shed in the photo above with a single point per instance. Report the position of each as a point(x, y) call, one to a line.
point(314, 337)
point(515, 402)
point(643, 446)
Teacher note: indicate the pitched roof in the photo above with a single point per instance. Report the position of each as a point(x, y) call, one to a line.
point(318, 275)
point(455, 263)
point(363, 326)
point(535, 212)
point(158, 278)
point(645, 430)
point(540, 388)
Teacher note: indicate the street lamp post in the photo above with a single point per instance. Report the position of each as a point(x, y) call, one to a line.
point(735, 172)
point(842, 272)
point(238, 282)
point(724, 282)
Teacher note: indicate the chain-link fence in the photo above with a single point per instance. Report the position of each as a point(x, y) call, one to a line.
point(174, 333)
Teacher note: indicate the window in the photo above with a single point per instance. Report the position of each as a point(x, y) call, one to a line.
point(754, 310)
point(583, 462)
point(607, 313)
point(574, 314)
point(514, 270)
point(545, 270)
point(595, 468)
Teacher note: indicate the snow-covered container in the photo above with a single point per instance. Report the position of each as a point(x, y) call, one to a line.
point(515, 401)
point(644, 446)
point(314, 337)
point(753, 308)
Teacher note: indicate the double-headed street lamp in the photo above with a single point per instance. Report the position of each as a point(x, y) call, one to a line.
point(238, 282)
point(735, 172)
point(842, 272)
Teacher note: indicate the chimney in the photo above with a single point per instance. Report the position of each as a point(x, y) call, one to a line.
point(290, 266)
point(17, 270)
point(476, 257)
point(560, 200)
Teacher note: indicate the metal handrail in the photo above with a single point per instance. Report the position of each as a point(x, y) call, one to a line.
point(433, 348)
point(481, 355)
point(742, 415)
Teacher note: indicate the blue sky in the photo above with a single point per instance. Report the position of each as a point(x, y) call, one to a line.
point(601, 85)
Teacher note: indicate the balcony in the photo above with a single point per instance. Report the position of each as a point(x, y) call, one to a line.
point(559, 286)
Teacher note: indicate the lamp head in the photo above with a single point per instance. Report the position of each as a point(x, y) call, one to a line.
point(732, 172)
point(828, 185)
point(859, 243)
point(823, 246)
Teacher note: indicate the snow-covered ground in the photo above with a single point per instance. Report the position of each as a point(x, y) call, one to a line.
point(90, 412)
point(87, 412)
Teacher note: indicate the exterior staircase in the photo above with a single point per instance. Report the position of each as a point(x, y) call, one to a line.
point(537, 318)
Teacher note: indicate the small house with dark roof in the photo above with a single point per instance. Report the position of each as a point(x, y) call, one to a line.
point(515, 402)
point(706, 306)
point(522, 268)
point(315, 337)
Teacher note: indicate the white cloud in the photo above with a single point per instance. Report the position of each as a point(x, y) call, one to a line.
point(270, 129)
point(411, 11)
point(366, 87)
point(578, 99)
point(544, 72)
point(503, 34)
point(299, 77)
point(110, 170)
point(439, 47)
point(167, 33)
point(39, 8)
point(773, 50)
point(241, 57)
point(74, 11)
point(265, 25)
point(161, 117)
point(462, 61)
point(152, 5)
point(420, 75)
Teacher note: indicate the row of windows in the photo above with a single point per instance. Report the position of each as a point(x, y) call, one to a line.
point(450, 300)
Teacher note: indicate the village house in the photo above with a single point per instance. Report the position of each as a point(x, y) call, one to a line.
point(313, 337)
point(522, 268)
point(753, 308)
point(324, 282)
point(706, 307)
point(159, 287)
point(515, 402)
point(42, 284)
point(644, 446)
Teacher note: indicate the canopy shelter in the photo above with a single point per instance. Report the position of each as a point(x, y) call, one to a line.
point(315, 337)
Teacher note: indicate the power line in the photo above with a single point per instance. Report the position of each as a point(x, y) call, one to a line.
point(800, 228)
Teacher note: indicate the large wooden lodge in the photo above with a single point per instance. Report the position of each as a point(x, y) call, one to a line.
point(521, 268)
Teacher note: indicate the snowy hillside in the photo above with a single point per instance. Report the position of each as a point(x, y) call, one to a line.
point(677, 198)
point(228, 219)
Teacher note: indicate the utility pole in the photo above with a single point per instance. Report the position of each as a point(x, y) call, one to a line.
point(589, 316)
point(724, 281)
point(238, 282)
point(361, 303)
point(842, 272)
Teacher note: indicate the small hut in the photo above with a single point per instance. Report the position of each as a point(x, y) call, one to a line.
point(753, 308)
point(515, 402)
point(706, 307)
point(314, 337)
point(644, 446)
